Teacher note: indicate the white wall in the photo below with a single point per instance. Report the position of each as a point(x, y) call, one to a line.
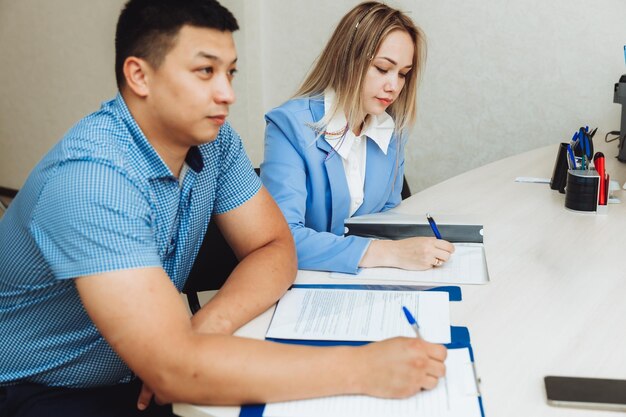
point(57, 66)
point(501, 77)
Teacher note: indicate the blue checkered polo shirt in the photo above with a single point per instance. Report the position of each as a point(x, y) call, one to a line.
point(102, 199)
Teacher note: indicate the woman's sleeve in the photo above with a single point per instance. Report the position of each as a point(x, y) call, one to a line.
point(284, 174)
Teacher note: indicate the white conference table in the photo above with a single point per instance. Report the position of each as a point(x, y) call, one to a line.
point(556, 303)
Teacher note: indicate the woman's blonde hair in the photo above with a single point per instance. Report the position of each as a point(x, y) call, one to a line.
point(343, 63)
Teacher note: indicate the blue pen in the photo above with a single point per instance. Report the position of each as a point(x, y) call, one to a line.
point(625, 54)
point(433, 226)
point(585, 147)
point(587, 150)
point(571, 156)
point(416, 329)
point(574, 141)
point(412, 321)
point(580, 142)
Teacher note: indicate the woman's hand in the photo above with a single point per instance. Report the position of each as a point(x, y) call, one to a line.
point(414, 253)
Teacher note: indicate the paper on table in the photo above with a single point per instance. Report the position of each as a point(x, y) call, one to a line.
point(467, 265)
point(359, 315)
point(456, 398)
point(533, 180)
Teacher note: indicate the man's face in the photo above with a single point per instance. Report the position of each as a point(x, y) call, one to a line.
point(190, 92)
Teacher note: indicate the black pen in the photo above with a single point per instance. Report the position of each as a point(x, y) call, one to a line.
point(433, 226)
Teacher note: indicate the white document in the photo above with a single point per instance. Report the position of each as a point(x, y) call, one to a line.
point(359, 315)
point(533, 180)
point(467, 265)
point(455, 396)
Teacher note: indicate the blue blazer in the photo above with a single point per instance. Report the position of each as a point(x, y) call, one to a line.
point(306, 178)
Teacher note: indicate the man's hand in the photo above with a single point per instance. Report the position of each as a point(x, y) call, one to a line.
point(145, 396)
point(401, 367)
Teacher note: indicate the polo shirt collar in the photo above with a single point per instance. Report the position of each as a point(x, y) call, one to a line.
point(153, 165)
point(379, 128)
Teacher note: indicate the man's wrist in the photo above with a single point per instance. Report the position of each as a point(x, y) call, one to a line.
point(206, 322)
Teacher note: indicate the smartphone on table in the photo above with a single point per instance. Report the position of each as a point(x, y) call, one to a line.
point(592, 393)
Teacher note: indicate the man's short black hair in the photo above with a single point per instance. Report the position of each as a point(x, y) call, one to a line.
point(147, 29)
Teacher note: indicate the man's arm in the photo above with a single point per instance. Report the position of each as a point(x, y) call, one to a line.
point(259, 236)
point(142, 316)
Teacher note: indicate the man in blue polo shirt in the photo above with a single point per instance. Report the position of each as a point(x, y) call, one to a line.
point(100, 240)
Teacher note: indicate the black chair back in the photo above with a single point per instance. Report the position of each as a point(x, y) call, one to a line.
point(213, 265)
point(406, 191)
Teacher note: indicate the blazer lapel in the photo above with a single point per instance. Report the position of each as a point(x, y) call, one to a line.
point(339, 193)
point(379, 175)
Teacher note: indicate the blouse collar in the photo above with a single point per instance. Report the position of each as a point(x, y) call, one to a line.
point(379, 128)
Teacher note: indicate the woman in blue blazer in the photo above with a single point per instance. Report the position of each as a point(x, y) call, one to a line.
point(337, 149)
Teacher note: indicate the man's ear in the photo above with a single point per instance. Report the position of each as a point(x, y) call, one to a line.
point(137, 72)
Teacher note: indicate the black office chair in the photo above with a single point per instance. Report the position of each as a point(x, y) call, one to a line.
point(213, 265)
point(216, 261)
point(6, 196)
point(406, 191)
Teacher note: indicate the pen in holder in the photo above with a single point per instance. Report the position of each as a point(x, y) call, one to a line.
point(559, 174)
point(581, 192)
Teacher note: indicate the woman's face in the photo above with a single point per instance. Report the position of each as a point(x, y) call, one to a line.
point(387, 72)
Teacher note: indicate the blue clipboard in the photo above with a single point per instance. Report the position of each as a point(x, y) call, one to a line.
point(453, 291)
point(460, 340)
point(459, 337)
point(457, 334)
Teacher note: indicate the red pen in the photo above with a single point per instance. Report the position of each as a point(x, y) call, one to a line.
point(598, 161)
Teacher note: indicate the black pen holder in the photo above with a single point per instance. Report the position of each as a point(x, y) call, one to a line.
point(559, 174)
point(581, 192)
